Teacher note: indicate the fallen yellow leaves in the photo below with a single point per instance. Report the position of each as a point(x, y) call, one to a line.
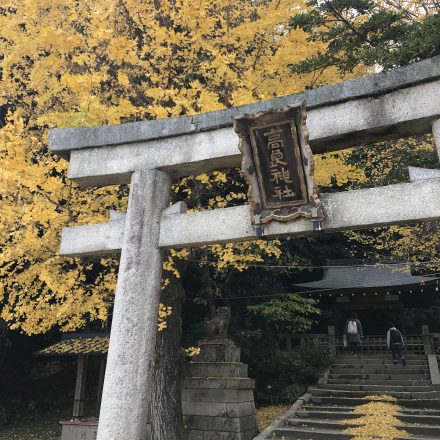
point(267, 414)
point(380, 398)
point(377, 420)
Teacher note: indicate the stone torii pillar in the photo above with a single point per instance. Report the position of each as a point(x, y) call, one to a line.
point(125, 402)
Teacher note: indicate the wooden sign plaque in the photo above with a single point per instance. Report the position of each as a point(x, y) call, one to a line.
point(278, 164)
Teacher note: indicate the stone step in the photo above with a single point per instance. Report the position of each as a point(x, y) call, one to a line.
point(309, 434)
point(325, 434)
point(392, 369)
point(351, 379)
point(375, 387)
point(398, 364)
point(375, 376)
point(381, 364)
point(353, 401)
point(384, 355)
point(397, 394)
point(340, 408)
point(384, 360)
point(390, 382)
point(405, 417)
point(412, 429)
point(389, 365)
point(375, 359)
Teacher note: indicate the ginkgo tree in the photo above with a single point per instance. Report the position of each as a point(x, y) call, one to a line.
point(70, 64)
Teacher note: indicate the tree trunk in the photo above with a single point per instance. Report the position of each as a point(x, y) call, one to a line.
point(166, 402)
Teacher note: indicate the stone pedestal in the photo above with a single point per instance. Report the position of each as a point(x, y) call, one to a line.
point(79, 430)
point(217, 395)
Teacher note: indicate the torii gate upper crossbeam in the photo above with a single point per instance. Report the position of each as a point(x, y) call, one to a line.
point(340, 115)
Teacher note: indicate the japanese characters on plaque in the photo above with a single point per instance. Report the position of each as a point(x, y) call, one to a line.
point(278, 165)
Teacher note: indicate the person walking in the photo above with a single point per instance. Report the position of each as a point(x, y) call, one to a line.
point(396, 344)
point(353, 333)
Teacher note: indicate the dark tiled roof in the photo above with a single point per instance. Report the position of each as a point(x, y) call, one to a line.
point(357, 277)
point(76, 346)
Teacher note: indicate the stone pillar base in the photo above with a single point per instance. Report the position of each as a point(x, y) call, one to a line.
point(217, 395)
point(79, 430)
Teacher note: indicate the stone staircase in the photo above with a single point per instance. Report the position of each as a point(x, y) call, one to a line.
point(346, 385)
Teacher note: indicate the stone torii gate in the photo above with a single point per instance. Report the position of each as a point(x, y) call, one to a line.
point(148, 155)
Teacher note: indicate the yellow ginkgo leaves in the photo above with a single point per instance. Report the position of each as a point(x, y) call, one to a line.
point(82, 63)
point(377, 420)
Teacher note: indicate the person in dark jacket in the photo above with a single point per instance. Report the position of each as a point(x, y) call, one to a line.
point(396, 344)
point(353, 332)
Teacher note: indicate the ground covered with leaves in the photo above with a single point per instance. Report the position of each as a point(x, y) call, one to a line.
point(49, 429)
point(38, 393)
point(267, 414)
point(37, 430)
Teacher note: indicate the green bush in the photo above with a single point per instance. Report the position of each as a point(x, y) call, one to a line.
point(281, 377)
